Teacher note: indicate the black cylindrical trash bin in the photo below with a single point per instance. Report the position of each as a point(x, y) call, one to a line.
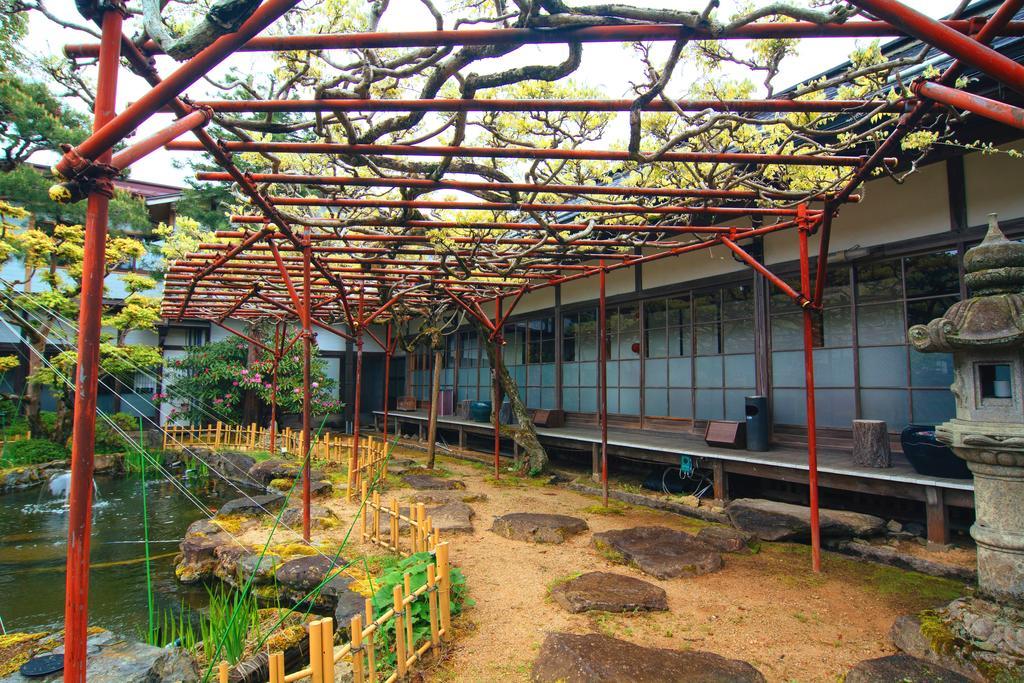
point(757, 423)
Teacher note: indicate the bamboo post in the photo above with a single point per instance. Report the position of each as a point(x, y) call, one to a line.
point(432, 602)
point(371, 655)
point(316, 651)
point(276, 666)
point(444, 569)
point(327, 644)
point(413, 547)
point(376, 516)
point(222, 672)
point(366, 512)
point(357, 648)
point(394, 525)
point(421, 517)
point(407, 582)
point(400, 656)
point(216, 434)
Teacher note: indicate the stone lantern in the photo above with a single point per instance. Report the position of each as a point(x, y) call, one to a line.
point(985, 334)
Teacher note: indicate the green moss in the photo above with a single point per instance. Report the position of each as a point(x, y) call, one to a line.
point(614, 507)
point(609, 553)
point(937, 633)
point(281, 484)
point(563, 579)
point(231, 523)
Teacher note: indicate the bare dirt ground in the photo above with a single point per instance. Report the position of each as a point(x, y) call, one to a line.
point(765, 607)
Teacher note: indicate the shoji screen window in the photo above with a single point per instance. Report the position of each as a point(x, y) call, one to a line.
point(833, 355)
point(724, 363)
point(624, 360)
point(540, 363)
point(579, 361)
point(899, 385)
point(668, 376)
point(469, 368)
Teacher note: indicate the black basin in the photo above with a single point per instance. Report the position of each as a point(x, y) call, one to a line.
point(928, 456)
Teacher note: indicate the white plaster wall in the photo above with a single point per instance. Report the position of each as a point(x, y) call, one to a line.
point(993, 185)
point(543, 298)
point(888, 212)
point(673, 270)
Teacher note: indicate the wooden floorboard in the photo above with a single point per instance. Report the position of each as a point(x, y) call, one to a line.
point(662, 447)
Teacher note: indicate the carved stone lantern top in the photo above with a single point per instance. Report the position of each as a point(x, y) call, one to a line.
point(993, 317)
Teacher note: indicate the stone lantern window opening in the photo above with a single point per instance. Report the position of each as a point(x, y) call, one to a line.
point(996, 382)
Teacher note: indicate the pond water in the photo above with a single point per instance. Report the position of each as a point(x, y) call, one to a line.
point(33, 540)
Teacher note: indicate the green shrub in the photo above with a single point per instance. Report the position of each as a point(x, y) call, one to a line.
point(32, 451)
point(111, 440)
point(383, 600)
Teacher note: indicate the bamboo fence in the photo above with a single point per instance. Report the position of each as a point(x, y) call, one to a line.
point(370, 465)
point(362, 647)
point(422, 535)
point(11, 438)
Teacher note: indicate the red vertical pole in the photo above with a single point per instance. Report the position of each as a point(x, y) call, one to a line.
point(812, 423)
point(76, 596)
point(387, 379)
point(307, 350)
point(497, 390)
point(602, 373)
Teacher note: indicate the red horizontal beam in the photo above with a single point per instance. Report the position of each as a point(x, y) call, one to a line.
point(549, 105)
point(470, 185)
point(521, 153)
point(517, 206)
point(954, 43)
point(589, 34)
point(976, 104)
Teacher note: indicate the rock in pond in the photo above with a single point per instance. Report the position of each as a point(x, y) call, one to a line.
point(21, 478)
point(297, 578)
point(901, 669)
point(659, 551)
point(607, 592)
point(198, 557)
point(252, 506)
point(232, 466)
point(112, 659)
point(268, 470)
point(597, 658)
point(428, 482)
point(773, 521)
point(535, 527)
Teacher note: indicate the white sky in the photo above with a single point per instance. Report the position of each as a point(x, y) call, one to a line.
point(610, 67)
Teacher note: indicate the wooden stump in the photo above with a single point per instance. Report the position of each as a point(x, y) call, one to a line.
point(871, 444)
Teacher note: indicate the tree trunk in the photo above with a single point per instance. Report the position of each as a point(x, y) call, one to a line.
point(435, 390)
point(33, 391)
point(250, 402)
point(531, 458)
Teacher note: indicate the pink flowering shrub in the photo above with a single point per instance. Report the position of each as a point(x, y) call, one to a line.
point(211, 382)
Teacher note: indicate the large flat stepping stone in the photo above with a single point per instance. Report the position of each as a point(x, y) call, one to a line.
point(901, 668)
point(725, 539)
point(454, 517)
point(401, 465)
point(597, 658)
point(773, 521)
point(661, 552)
point(442, 497)
point(535, 527)
point(607, 592)
point(427, 482)
point(320, 517)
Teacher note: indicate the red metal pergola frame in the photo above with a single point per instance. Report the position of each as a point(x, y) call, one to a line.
point(342, 275)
